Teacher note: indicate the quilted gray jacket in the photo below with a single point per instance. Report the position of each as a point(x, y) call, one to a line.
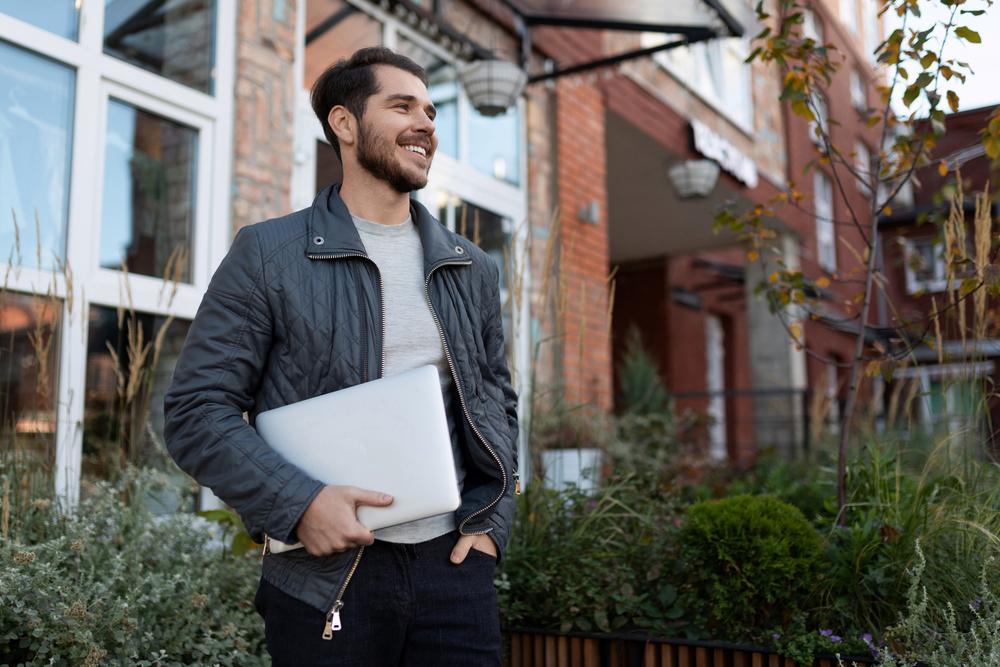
point(295, 311)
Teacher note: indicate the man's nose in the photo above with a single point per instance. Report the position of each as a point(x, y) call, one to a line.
point(424, 123)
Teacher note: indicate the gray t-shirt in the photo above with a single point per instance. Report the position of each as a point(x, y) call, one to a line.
point(411, 340)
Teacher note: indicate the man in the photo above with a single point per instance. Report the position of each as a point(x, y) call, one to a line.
point(364, 283)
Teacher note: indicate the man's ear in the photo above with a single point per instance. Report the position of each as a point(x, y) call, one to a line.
point(343, 124)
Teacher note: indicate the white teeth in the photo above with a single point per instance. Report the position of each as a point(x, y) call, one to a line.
point(416, 149)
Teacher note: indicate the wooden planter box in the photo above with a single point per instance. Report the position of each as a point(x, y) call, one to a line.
point(528, 648)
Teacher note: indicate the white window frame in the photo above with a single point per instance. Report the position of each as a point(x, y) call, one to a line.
point(870, 26)
point(715, 382)
point(826, 231)
point(863, 165)
point(449, 177)
point(700, 68)
point(939, 281)
point(820, 125)
point(812, 28)
point(849, 14)
point(859, 95)
point(98, 76)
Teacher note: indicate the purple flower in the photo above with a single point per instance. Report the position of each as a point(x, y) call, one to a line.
point(826, 632)
point(829, 635)
point(975, 604)
point(867, 638)
point(776, 636)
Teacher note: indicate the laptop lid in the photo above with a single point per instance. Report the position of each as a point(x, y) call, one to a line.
point(389, 435)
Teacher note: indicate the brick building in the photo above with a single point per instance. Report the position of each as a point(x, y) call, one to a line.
point(159, 130)
point(947, 386)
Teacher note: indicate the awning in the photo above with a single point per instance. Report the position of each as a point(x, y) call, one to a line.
point(719, 18)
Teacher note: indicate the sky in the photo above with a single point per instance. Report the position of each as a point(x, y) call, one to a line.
point(983, 86)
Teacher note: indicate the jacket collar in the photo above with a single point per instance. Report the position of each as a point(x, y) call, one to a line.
point(332, 231)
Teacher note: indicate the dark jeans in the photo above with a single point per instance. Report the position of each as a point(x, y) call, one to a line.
point(407, 604)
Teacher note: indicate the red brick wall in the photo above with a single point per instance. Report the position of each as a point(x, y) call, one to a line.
point(583, 258)
point(264, 113)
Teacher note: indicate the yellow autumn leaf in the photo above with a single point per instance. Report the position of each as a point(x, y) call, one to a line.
point(943, 168)
point(823, 281)
point(796, 330)
point(773, 278)
point(753, 255)
point(887, 211)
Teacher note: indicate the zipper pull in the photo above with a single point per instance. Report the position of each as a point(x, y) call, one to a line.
point(332, 620)
point(517, 483)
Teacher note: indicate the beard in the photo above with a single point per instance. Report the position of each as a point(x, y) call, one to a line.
point(377, 156)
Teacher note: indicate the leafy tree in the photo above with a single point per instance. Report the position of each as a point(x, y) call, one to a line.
point(918, 71)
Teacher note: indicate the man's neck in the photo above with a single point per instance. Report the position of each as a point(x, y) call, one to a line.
point(375, 200)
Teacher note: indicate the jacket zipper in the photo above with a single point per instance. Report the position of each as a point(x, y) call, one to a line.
point(333, 616)
point(333, 623)
point(461, 399)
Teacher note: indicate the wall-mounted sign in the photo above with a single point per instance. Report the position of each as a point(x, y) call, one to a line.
point(711, 145)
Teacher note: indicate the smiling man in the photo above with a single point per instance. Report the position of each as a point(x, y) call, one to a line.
point(363, 284)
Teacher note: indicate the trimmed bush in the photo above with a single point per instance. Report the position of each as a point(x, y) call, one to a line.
point(750, 563)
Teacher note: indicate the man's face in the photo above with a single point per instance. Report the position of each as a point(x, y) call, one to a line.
point(396, 140)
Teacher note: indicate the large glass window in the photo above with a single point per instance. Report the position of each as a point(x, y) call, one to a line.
point(149, 193)
point(130, 360)
point(494, 144)
point(491, 232)
point(36, 130)
point(442, 87)
point(29, 357)
point(175, 39)
point(61, 17)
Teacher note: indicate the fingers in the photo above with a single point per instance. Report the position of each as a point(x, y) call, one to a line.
point(461, 549)
point(366, 497)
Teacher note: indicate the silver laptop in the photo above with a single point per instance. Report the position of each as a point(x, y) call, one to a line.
point(389, 435)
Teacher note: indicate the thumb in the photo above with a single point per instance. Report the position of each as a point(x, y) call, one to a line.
point(376, 498)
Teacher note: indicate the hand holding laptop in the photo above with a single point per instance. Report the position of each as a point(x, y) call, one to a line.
point(330, 523)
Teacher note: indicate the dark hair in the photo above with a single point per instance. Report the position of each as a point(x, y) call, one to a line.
point(351, 81)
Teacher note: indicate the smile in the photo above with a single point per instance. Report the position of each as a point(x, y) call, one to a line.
point(419, 150)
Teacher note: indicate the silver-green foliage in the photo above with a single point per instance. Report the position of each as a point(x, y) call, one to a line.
point(963, 634)
point(115, 585)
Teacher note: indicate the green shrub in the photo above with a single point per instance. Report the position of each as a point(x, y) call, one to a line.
point(750, 563)
point(115, 585)
point(598, 561)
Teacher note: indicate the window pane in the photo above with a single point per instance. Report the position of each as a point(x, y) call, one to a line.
point(494, 144)
point(149, 193)
point(57, 16)
point(36, 129)
point(130, 360)
point(173, 39)
point(443, 89)
point(484, 228)
point(29, 362)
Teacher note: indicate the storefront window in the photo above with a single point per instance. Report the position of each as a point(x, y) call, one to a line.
point(173, 39)
point(29, 358)
point(61, 17)
point(442, 87)
point(130, 361)
point(494, 144)
point(36, 137)
point(149, 193)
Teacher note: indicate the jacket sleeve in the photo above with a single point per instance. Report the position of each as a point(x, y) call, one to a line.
point(214, 382)
point(502, 517)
